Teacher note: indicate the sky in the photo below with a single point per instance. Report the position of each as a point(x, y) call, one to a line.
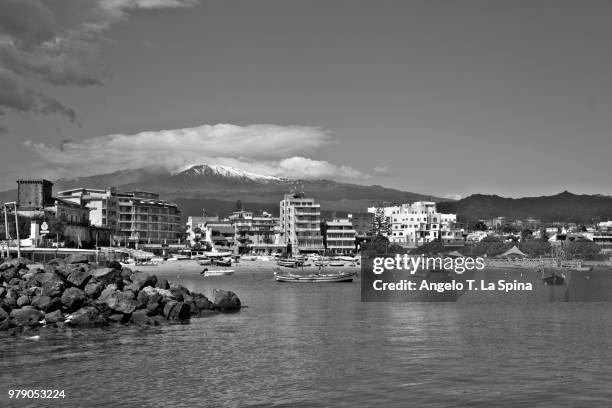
point(447, 98)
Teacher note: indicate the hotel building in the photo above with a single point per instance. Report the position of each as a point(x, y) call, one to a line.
point(102, 205)
point(415, 224)
point(300, 220)
point(144, 218)
point(340, 236)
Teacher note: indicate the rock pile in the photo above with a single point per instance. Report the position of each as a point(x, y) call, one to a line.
point(75, 293)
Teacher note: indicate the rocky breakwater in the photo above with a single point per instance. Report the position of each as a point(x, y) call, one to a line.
point(74, 293)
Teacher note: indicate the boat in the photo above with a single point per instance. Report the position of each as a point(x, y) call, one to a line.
point(281, 276)
point(290, 263)
point(554, 279)
point(179, 257)
point(205, 262)
point(214, 254)
point(218, 272)
point(222, 262)
point(336, 264)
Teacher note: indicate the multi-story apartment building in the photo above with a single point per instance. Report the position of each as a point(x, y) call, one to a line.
point(102, 205)
point(146, 219)
point(300, 219)
point(196, 228)
point(340, 236)
point(418, 223)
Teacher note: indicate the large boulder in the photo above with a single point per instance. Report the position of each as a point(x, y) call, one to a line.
point(10, 273)
point(226, 301)
point(201, 302)
point(4, 319)
point(162, 284)
point(72, 299)
point(108, 276)
point(179, 291)
point(139, 317)
point(23, 300)
point(154, 303)
point(87, 316)
point(142, 298)
point(26, 316)
point(46, 303)
point(51, 283)
point(142, 279)
point(79, 277)
point(93, 289)
point(56, 262)
point(54, 317)
point(166, 294)
point(18, 263)
point(77, 259)
point(109, 290)
point(121, 302)
point(2, 291)
point(126, 273)
point(174, 310)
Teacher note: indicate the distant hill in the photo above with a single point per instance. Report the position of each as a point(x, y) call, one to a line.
point(564, 207)
point(218, 187)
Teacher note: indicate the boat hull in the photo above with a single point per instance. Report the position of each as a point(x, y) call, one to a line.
point(218, 273)
point(314, 278)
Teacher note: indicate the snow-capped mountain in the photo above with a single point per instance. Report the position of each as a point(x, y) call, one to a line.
point(218, 187)
point(221, 170)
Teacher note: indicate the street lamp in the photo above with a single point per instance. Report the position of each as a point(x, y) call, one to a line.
point(16, 226)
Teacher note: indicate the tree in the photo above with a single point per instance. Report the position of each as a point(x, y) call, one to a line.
point(480, 226)
point(535, 247)
point(430, 248)
point(380, 223)
point(378, 245)
point(582, 249)
point(526, 234)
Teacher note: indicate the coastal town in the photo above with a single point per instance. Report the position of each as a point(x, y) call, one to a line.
point(143, 225)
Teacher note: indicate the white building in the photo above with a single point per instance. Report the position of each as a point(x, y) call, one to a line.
point(102, 204)
point(340, 236)
point(415, 224)
point(300, 219)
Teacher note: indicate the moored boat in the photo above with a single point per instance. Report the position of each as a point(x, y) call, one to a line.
point(290, 263)
point(222, 262)
point(279, 276)
point(219, 272)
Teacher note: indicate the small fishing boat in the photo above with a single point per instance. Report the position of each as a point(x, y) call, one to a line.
point(281, 276)
point(336, 264)
point(218, 272)
point(290, 263)
point(222, 262)
point(205, 262)
point(554, 279)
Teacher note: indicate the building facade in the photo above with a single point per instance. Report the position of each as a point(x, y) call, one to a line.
point(145, 219)
point(102, 205)
point(415, 224)
point(300, 221)
point(340, 237)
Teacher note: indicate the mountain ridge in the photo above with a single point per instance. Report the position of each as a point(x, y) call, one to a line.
point(226, 184)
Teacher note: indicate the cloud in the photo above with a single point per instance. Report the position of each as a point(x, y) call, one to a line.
point(14, 96)
point(382, 171)
point(302, 167)
point(262, 148)
point(46, 40)
point(453, 196)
